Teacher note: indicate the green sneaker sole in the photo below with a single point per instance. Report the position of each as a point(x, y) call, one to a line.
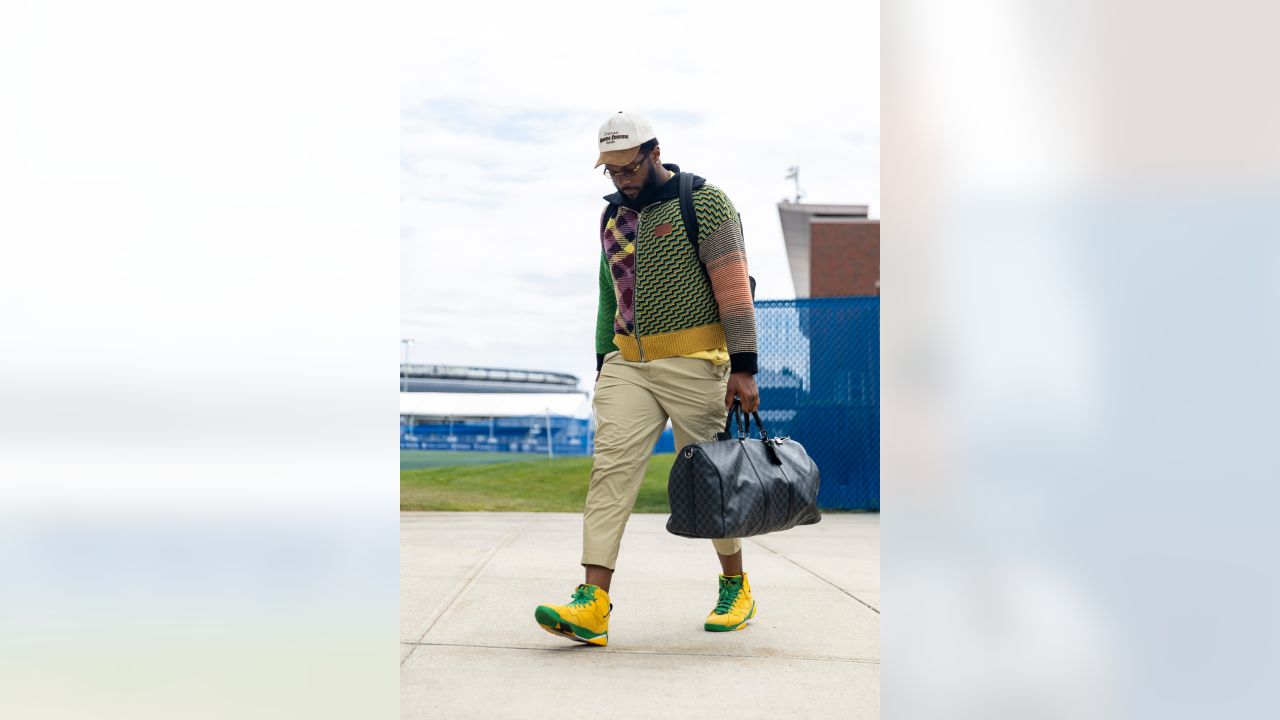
point(550, 621)
point(709, 627)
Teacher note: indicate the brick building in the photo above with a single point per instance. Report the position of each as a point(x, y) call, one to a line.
point(833, 250)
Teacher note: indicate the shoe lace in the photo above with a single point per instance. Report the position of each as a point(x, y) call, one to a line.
point(584, 595)
point(728, 594)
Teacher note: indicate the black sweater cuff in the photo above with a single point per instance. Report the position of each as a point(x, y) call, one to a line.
point(599, 361)
point(742, 362)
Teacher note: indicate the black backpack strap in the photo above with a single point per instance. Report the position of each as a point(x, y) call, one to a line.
point(690, 219)
point(686, 209)
point(691, 224)
point(608, 212)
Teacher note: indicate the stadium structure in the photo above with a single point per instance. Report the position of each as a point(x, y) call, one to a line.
point(444, 407)
point(452, 379)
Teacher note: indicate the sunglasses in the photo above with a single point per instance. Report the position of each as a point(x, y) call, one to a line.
point(628, 170)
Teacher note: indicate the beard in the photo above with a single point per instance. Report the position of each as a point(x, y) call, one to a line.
point(649, 191)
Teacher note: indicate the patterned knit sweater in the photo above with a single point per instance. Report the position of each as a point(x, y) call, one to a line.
point(656, 300)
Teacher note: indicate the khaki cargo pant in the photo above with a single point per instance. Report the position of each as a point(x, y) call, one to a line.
point(632, 404)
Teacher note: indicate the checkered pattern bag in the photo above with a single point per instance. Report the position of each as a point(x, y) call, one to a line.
point(740, 486)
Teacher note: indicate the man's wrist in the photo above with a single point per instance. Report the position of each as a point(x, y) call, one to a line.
point(742, 362)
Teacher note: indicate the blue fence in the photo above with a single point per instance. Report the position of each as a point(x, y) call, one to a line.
point(569, 436)
point(819, 384)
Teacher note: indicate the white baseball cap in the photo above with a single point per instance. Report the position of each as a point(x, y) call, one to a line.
point(620, 135)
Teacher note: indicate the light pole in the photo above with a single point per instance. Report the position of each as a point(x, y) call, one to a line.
point(404, 343)
point(793, 173)
point(550, 454)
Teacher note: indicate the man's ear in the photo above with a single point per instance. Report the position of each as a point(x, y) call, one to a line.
point(657, 155)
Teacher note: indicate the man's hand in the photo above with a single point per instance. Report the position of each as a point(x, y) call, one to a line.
point(743, 386)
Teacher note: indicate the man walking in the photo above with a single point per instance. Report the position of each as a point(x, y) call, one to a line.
point(675, 339)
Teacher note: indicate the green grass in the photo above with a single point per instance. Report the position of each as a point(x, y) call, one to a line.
point(558, 485)
point(414, 459)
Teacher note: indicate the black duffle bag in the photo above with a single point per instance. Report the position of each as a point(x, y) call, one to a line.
point(739, 486)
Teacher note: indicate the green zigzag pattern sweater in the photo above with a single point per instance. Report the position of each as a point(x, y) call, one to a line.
point(655, 299)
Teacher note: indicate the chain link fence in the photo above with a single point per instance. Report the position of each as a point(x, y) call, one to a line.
point(819, 383)
point(529, 434)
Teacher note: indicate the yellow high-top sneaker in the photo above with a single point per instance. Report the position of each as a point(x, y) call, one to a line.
point(735, 606)
point(585, 618)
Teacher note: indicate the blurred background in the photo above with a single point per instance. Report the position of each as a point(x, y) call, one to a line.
point(198, 283)
point(1078, 359)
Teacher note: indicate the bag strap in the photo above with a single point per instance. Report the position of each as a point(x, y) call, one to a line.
point(605, 214)
point(743, 420)
point(734, 414)
point(744, 433)
point(690, 218)
point(687, 212)
point(770, 450)
point(764, 434)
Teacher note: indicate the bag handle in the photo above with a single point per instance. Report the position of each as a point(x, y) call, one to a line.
point(734, 415)
point(735, 411)
point(743, 421)
point(764, 434)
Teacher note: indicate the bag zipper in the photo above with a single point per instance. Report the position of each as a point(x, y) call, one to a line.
point(635, 309)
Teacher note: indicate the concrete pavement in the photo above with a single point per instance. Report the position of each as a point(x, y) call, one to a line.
point(470, 647)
